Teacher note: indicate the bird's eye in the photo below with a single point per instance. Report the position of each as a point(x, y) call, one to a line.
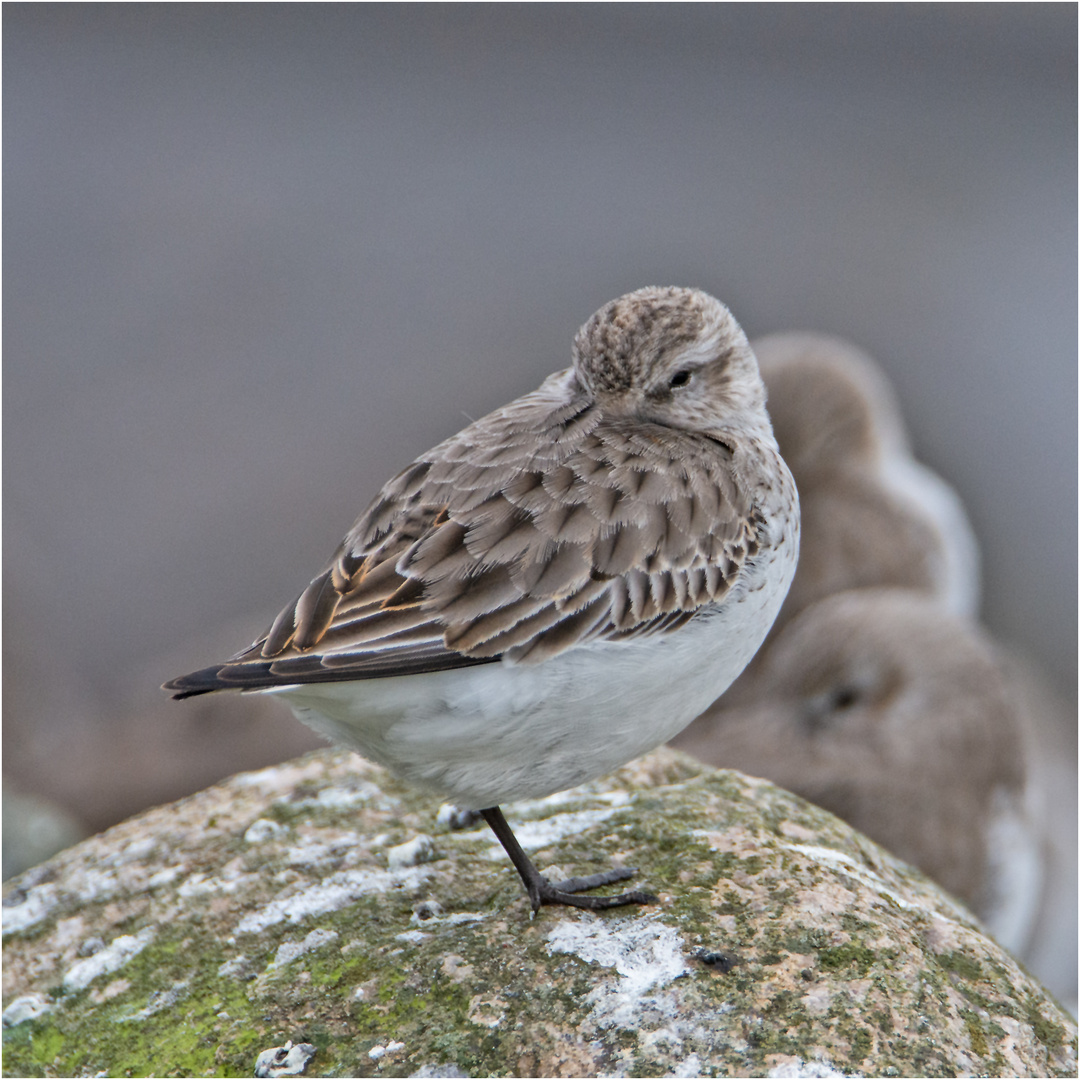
point(680, 378)
point(823, 711)
point(844, 697)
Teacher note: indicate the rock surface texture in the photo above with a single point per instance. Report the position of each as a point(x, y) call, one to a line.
point(321, 913)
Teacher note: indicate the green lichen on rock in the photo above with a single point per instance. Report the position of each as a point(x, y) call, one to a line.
point(303, 903)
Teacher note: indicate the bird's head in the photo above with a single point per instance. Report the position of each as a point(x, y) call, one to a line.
point(672, 356)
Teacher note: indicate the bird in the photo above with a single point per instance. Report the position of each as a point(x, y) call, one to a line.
point(903, 720)
point(872, 515)
point(558, 588)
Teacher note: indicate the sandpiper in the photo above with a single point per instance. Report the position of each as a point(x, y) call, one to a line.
point(558, 588)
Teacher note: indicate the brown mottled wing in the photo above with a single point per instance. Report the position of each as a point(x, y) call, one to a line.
point(536, 528)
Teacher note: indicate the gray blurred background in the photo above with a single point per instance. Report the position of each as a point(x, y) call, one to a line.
point(259, 257)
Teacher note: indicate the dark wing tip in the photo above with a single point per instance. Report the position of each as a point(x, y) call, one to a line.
point(204, 681)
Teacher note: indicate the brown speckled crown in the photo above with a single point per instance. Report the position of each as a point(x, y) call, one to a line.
point(637, 330)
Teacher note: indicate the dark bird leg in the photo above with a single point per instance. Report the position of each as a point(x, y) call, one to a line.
point(541, 891)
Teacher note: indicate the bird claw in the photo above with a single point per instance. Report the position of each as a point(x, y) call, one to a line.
point(567, 892)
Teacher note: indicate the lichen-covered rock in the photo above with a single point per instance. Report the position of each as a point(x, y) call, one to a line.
point(322, 903)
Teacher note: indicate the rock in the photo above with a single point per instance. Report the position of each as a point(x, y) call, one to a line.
point(783, 943)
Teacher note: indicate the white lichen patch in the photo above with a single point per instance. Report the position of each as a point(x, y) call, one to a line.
point(288, 951)
point(377, 1052)
point(27, 1007)
point(456, 919)
point(662, 1036)
point(37, 904)
point(138, 850)
point(419, 849)
point(107, 960)
point(287, 1060)
point(272, 777)
point(688, 1067)
point(526, 807)
point(646, 954)
point(309, 853)
point(230, 879)
point(332, 894)
point(89, 885)
point(285, 778)
point(263, 829)
point(165, 876)
point(412, 937)
point(362, 792)
point(864, 875)
point(232, 967)
point(159, 1001)
point(534, 835)
point(794, 1068)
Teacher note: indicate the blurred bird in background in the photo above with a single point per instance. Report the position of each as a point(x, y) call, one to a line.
point(879, 517)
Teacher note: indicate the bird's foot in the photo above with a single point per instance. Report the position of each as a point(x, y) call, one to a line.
point(541, 891)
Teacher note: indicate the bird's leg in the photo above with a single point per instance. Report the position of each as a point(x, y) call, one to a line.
point(541, 891)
